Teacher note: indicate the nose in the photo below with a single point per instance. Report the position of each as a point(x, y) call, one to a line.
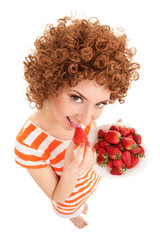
point(86, 116)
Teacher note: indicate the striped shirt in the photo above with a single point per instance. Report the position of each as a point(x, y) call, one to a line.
point(35, 148)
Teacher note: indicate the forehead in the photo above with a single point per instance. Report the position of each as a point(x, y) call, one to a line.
point(91, 90)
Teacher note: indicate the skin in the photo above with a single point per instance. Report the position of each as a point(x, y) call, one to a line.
point(82, 110)
point(83, 103)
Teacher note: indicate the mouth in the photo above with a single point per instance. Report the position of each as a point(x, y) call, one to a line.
point(73, 123)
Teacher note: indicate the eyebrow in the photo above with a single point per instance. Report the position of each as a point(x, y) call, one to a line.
point(86, 98)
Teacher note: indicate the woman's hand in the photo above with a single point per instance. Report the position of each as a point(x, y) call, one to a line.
point(80, 162)
point(119, 120)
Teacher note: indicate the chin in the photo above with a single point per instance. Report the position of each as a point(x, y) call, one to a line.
point(66, 126)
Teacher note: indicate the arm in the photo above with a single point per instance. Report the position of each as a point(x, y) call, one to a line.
point(56, 189)
point(59, 189)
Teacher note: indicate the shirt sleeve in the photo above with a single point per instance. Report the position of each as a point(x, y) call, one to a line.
point(28, 157)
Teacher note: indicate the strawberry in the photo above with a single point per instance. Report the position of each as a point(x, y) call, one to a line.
point(124, 165)
point(104, 144)
point(120, 146)
point(79, 136)
point(137, 138)
point(130, 136)
point(114, 127)
point(96, 146)
point(125, 131)
point(117, 163)
point(128, 143)
point(116, 171)
point(102, 153)
point(110, 163)
point(101, 161)
point(101, 133)
point(141, 153)
point(136, 150)
point(112, 136)
point(132, 131)
point(134, 162)
point(126, 157)
point(114, 152)
point(100, 140)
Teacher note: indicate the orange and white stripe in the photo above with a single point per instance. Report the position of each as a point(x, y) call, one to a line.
point(34, 148)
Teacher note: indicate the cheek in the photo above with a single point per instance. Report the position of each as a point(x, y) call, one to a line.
point(97, 114)
point(56, 106)
point(61, 107)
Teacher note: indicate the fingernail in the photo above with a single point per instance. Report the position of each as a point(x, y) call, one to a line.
point(93, 149)
point(82, 144)
point(88, 144)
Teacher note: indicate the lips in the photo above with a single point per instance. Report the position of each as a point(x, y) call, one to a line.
point(73, 123)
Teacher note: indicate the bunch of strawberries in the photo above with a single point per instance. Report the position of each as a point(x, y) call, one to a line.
point(119, 148)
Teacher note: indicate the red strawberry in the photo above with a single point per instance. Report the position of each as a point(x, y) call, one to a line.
point(114, 127)
point(125, 131)
point(79, 136)
point(101, 133)
point(130, 136)
point(120, 146)
point(128, 143)
point(101, 161)
point(104, 144)
point(126, 157)
point(123, 165)
point(110, 163)
point(134, 161)
point(117, 163)
point(136, 150)
point(96, 146)
point(116, 171)
point(112, 136)
point(137, 138)
point(100, 140)
point(114, 152)
point(142, 152)
point(102, 153)
point(132, 131)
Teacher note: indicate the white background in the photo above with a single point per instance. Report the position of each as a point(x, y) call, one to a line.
point(126, 208)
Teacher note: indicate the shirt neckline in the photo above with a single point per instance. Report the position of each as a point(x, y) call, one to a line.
point(60, 140)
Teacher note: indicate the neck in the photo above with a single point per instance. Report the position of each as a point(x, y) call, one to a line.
point(46, 122)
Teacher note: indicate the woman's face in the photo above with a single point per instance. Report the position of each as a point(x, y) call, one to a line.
point(78, 105)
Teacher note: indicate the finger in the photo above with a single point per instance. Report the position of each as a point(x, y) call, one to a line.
point(87, 162)
point(79, 156)
point(94, 156)
point(119, 120)
point(71, 147)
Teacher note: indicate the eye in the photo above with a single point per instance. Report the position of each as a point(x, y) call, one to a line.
point(76, 98)
point(101, 105)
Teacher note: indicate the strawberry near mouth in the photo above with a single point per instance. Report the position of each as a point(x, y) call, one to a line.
point(73, 124)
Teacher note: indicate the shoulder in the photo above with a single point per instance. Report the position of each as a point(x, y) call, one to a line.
point(27, 151)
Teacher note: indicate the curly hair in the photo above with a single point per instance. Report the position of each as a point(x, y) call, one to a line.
point(75, 50)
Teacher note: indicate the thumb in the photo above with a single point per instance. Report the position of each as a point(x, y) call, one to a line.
point(119, 120)
point(70, 149)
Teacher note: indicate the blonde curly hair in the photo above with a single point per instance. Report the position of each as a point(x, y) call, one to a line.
point(75, 50)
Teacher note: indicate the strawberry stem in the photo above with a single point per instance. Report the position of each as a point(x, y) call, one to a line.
point(123, 169)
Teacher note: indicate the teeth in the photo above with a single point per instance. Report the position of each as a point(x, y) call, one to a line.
point(74, 124)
